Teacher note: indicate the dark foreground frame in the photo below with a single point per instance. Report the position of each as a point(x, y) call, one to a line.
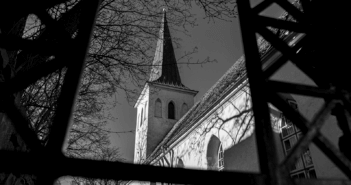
point(48, 163)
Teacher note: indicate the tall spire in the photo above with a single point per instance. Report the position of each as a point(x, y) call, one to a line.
point(165, 69)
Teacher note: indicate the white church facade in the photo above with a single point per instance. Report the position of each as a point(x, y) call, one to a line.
point(217, 132)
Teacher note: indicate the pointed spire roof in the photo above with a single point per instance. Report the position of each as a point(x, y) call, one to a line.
point(165, 69)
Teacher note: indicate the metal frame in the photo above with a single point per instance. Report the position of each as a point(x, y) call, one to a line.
point(277, 173)
point(40, 159)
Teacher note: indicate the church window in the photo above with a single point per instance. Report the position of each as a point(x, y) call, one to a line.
point(158, 108)
point(184, 108)
point(145, 110)
point(171, 110)
point(141, 117)
point(180, 163)
point(220, 158)
point(215, 154)
point(290, 134)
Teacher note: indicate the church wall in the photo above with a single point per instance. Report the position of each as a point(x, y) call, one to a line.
point(232, 124)
point(236, 133)
point(242, 156)
point(141, 129)
point(159, 127)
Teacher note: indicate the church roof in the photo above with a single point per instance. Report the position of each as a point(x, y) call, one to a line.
point(223, 85)
point(165, 69)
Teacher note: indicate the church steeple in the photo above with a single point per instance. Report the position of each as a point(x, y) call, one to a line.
point(164, 99)
point(165, 69)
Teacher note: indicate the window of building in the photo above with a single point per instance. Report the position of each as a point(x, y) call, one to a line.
point(287, 130)
point(158, 108)
point(290, 134)
point(141, 117)
point(180, 163)
point(299, 175)
point(312, 174)
point(215, 154)
point(145, 110)
point(220, 158)
point(171, 110)
point(184, 109)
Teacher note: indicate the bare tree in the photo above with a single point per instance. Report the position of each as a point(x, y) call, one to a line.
point(106, 154)
point(118, 61)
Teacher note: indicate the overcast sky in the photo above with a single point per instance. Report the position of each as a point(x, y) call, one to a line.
point(218, 40)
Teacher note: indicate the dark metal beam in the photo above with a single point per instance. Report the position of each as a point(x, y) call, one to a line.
point(292, 10)
point(300, 89)
point(39, 164)
point(24, 79)
point(262, 6)
point(264, 135)
point(35, 46)
point(21, 124)
point(72, 77)
point(281, 24)
point(322, 182)
point(290, 53)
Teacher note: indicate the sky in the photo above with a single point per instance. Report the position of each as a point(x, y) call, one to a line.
point(218, 40)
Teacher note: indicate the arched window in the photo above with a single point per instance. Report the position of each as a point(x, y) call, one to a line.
point(141, 117)
point(171, 110)
point(184, 108)
point(220, 158)
point(180, 163)
point(158, 108)
point(215, 154)
point(145, 110)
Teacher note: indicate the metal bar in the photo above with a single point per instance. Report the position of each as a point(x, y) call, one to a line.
point(262, 6)
point(292, 10)
point(277, 43)
point(288, 51)
point(306, 6)
point(322, 182)
point(39, 164)
point(313, 130)
point(272, 68)
point(278, 23)
point(23, 80)
point(264, 134)
point(30, 6)
point(21, 124)
point(300, 89)
point(334, 154)
point(53, 26)
point(35, 46)
point(72, 77)
point(320, 80)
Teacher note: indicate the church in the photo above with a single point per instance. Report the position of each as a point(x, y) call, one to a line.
point(217, 132)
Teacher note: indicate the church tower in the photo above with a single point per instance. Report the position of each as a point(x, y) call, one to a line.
point(164, 99)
